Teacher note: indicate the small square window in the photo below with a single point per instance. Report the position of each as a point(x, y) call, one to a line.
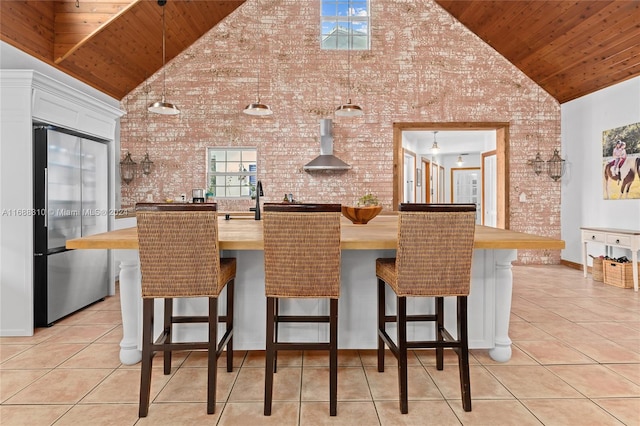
point(231, 172)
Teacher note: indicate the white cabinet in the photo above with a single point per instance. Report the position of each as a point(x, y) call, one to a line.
point(29, 96)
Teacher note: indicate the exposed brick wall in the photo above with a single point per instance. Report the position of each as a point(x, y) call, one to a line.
point(423, 66)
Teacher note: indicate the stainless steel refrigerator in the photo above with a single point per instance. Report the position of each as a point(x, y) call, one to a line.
point(70, 200)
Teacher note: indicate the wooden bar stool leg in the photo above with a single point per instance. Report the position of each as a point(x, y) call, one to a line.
point(402, 354)
point(463, 358)
point(147, 357)
point(439, 327)
point(269, 364)
point(275, 335)
point(212, 356)
point(333, 357)
point(381, 323)
point(168, 329)
point(229, 323)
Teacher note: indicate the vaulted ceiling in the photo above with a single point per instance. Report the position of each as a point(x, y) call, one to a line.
point(569, 48)
point(110, 45)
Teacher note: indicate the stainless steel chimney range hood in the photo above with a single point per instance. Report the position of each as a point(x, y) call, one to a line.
point(326, 160)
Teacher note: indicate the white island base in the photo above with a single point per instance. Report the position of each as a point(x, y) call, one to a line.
point(489, 305)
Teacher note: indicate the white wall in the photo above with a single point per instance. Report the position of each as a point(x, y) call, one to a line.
point(583, 121)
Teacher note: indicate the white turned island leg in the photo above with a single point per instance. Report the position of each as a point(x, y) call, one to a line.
point(501, 352)
point(130, 297)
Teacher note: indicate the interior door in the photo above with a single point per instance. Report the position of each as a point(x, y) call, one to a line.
point(435, 183)
point(428, 186)
point(441, 191)
point(409, 177)
point(489, 189)
point(466, 188)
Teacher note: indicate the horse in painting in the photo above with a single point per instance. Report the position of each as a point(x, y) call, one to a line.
point(625, 177)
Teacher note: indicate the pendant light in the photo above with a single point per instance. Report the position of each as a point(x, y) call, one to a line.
point(349, 109)
point(162, 106)
point(257, 108)
point(435, 148)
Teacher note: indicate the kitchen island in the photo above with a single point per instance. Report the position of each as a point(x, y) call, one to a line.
point(241, 237)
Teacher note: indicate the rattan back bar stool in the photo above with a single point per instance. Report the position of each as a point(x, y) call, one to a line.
point(301, 260)
point(433, 259)
point(180, 258)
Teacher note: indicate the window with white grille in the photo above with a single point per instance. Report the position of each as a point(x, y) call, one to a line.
point(231, 172)
point(344, 24)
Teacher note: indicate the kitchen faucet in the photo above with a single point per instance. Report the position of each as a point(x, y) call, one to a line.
point(258, 194)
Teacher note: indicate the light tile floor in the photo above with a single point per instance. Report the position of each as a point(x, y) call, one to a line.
point(576, 361)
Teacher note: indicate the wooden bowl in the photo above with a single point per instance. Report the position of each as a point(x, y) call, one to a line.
point(361, 215)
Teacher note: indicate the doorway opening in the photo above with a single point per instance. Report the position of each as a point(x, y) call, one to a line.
point(494, 163)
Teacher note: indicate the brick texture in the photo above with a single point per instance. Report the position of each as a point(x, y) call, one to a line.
point(423, 66)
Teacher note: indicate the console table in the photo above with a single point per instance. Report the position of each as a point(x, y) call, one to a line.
point(611, 237)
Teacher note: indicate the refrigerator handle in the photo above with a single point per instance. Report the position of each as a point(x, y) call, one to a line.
point(46, 197)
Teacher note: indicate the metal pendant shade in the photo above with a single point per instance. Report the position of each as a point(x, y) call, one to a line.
point(257, 108)
point(349, 110)
point(162, 106)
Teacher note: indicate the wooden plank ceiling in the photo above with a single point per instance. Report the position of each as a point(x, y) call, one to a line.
point(110, 45)
point(570, 48)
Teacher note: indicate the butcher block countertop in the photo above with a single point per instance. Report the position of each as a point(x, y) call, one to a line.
point(245, 233)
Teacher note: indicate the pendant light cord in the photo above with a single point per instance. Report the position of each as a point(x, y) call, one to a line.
point(258, 83)
point(349, 42)
point(539, 113)
point(349, 66)
point(164, 70)
point(259, 55)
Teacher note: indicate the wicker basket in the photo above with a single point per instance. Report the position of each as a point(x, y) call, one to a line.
point(597, 271)
point(618, 274)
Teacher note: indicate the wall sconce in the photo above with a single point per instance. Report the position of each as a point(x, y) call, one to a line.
point(146, 164)
point(555, 166)
point(459, 161)
point(537, 164)
point(128, 168)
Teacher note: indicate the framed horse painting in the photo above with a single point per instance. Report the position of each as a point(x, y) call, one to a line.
point(621, 162)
